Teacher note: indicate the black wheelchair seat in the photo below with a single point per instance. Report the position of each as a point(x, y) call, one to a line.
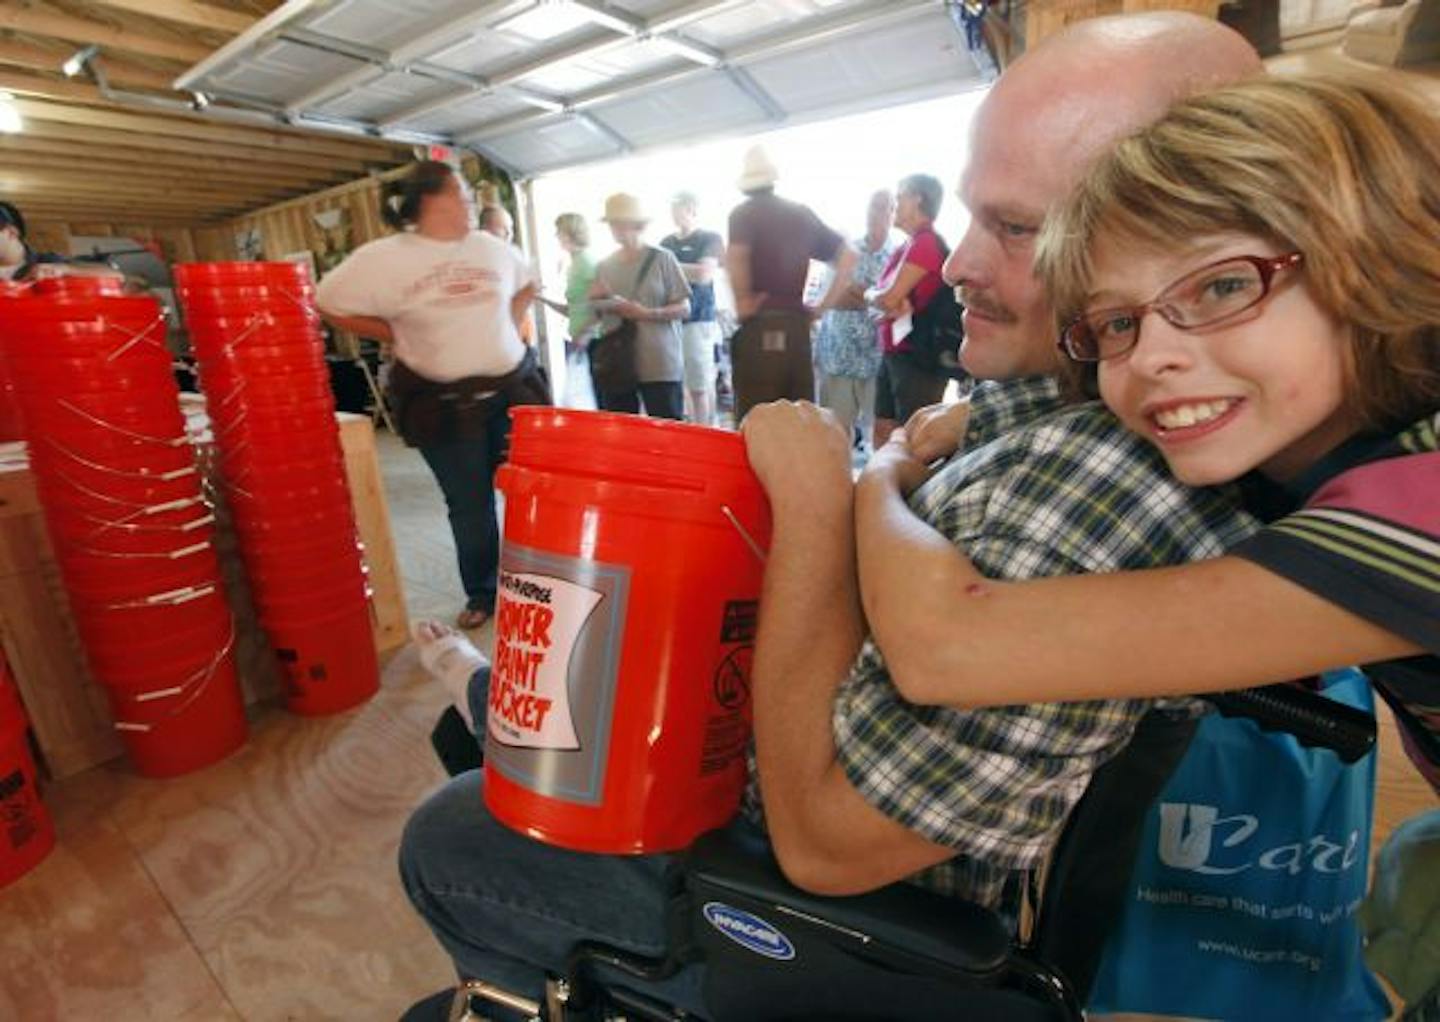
point(772, 951)
point(775, 953)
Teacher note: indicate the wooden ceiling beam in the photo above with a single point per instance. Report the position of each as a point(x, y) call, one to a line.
point(119, 72)
point(53, 153)
point(114, 211)
point(209, 208)
point(186, 12)
point(101, 170)
point(102, 137)
point(77, 214)
point(11, 185)
point(196, 128)
point(41, 21)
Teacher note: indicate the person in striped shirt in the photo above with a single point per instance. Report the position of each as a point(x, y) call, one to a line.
point(1253, 283)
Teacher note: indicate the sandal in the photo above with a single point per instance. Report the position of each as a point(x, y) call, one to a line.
point(471, 618)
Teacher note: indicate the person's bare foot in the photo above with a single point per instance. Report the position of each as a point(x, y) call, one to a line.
point(426, 632)
point(450, 658)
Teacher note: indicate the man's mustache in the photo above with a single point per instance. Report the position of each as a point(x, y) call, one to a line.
point(977, 301)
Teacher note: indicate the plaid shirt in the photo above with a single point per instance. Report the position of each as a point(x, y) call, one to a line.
point(1055, 491)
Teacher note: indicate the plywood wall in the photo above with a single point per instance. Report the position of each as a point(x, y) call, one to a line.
point(177, 244)
point(291, 227)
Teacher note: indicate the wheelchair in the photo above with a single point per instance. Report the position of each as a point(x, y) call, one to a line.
point(775, 953)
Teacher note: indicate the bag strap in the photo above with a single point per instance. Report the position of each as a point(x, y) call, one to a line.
point(650, 253)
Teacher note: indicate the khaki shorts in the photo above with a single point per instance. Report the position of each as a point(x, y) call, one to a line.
point(698, 346)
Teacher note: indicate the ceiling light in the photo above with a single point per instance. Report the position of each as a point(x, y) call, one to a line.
point(10, 120)
point(77, 61)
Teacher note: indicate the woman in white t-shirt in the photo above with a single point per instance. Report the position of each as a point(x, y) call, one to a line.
point(450, 300)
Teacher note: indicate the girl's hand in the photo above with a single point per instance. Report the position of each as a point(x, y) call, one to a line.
point(801, 455)
point(895, 465)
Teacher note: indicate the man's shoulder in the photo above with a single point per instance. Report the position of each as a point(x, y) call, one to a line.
point(1078, 480)
point(1081, 432)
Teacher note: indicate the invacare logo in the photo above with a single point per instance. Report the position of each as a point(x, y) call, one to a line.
point(750, 932)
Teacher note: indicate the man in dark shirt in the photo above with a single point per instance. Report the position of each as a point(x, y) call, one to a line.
point(772, 241)
point(699, 253)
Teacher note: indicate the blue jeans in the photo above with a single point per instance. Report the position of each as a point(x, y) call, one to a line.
point(508, 908)
point(662, 400)
point(465, 471)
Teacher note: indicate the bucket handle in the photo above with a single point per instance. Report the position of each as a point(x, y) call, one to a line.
point(192, 687)
point(163, 441)
point(141, 336)
point(128, 524)
point(162, 555)
point(143, 509)
point(749, 540)
point(264, 318)
point(172, 598)
point(161, 477)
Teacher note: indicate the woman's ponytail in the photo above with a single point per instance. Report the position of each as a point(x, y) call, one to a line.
point(400, 200)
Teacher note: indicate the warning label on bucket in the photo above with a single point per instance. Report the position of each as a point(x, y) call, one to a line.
point(537, 622)
point(558, 628)
point(727, 726)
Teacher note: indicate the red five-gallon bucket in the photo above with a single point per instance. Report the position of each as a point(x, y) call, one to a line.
point(630, 576)
point(26, 831)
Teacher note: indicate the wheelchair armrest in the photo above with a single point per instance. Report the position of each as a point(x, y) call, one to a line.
point(900, 921)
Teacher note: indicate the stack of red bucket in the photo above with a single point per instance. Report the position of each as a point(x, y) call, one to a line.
point(256, 335)
point(26, 831)
point(10, 425)
point(132, 533)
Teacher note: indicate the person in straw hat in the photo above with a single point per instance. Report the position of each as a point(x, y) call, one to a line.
point(642, 284)
point(772, 241)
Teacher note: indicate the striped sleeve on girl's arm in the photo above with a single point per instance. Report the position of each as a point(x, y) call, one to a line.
point(1368, 541)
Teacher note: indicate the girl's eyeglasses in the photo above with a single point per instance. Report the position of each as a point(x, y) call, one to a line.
point(1208, 297)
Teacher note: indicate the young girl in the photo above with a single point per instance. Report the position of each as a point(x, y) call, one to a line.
point(1254, 285)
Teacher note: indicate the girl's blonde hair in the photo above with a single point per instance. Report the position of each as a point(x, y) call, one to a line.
point(1344, 170)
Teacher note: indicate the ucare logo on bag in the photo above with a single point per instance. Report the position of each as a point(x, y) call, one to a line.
point(1197, 838)
point(750, 932)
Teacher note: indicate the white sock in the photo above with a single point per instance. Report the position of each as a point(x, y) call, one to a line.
point(451, 660)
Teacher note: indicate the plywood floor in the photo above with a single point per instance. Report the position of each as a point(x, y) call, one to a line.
point(263, 889)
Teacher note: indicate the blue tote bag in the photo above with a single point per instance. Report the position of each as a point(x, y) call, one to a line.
point(1252, 866)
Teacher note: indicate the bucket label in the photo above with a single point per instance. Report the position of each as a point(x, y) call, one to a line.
point(727, 725)
point(559, 622)
point(18, 809)
point(538, 619)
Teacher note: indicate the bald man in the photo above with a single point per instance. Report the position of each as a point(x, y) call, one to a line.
point(860, 788)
